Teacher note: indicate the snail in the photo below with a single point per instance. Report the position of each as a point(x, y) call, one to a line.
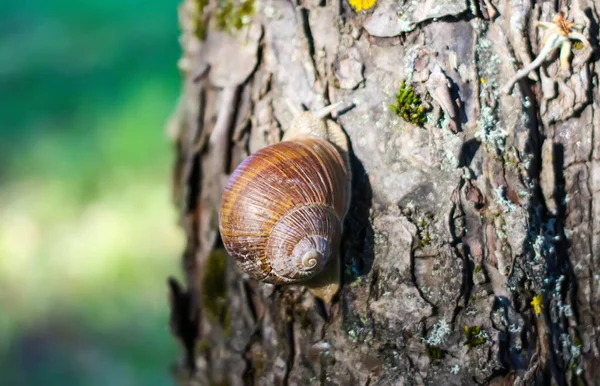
point(282, 211)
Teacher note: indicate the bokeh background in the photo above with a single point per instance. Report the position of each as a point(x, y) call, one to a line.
point(88, 232)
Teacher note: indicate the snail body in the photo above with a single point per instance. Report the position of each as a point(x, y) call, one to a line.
point(282, 211)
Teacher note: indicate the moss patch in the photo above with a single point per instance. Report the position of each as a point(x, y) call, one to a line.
point(229, 16)
point(199, 24)
point(202, 346)
point(233, 15)
point(434, 353)
point(408, 105)
point(474, 336)
point(214, 290)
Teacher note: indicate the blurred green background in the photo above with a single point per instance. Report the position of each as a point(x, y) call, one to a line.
point(88, 233)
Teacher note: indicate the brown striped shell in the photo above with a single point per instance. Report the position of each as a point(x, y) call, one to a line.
point(282, 210)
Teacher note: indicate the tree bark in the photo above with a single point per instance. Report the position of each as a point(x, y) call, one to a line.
point(470, 249)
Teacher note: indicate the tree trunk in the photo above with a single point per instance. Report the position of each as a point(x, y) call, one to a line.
point(470, 249)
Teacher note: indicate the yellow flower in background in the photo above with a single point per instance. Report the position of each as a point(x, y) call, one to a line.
point(362, 5)
point(537, 304)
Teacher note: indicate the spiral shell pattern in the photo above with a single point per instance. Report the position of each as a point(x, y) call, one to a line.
point(302, 242)
point(282, 210)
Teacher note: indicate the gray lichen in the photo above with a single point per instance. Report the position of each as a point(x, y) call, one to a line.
point(439, 333)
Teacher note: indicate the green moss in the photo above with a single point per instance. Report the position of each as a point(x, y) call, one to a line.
point(425, 239)
point(423, 221)
point(201, 4)
point(473, 335)
point(408, 105)
point(258, 362)
point(199, 24)
point(477, 269)
point(434, 352)
point(232, 15)
point(214, 289)
point(202, 346)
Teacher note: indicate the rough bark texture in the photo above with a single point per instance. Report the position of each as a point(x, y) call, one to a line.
point(455, 227)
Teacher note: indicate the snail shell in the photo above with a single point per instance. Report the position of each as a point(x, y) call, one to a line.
point(283, 208)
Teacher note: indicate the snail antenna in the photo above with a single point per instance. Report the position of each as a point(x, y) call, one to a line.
point(325, 111)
